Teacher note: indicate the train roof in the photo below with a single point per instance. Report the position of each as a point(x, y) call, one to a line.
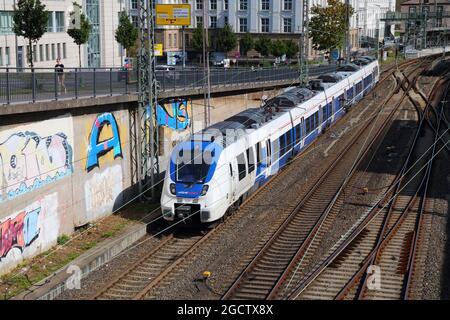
point(271, 109)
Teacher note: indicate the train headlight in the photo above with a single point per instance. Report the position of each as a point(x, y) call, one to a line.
point(204, 190)
point(173, 189)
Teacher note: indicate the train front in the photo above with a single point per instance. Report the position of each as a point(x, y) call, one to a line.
point(191, 188)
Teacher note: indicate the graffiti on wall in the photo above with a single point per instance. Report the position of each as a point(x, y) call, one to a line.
point(177, 118)
point(29, 231)
point(19, 232)
point(29, 161)
point(102, 190)
point(98, 147)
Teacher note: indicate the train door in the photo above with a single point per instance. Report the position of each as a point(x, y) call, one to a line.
point(268, 156)
point(333, 108)
point(232, 191)
point(241, 176)
point(261, 159)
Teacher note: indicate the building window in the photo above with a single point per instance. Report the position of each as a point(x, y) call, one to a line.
point(225, 19)
point(41, 52)
point(287, 5)
point(135, 21)
point(265, 25)
point(213, 4)
point(35, 58)
point(6, 22)
point(93, 45)
point(242, 24)
point(1, 56)
point(199, 20)
point(287, 25)
point(58, 46)
point(175, 40)
point(170, 40)
point(47, 52)
point(8, 56)
point(243, 4)
point(225, 4)
point(50, 22)
point(265, 4)
point(59, 19)
point(64, 51)
point(53, 52)
point(134, 4)
point(213, 22)
point(199, 4)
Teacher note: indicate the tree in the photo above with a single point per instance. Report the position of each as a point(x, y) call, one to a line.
point(328, 25)
point(126, 33)
point(263, 45)
point(246, 43)
point(226, 39)
point(80, 35)
point(278, 48)
point(30, 21)
point(197, 38)
point(291, 48)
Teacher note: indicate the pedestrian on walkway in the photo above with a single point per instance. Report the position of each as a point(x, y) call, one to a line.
point(59, 69)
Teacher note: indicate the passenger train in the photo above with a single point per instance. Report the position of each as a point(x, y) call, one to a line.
point(215, 170)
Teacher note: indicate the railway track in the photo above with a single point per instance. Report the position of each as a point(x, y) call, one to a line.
point(390, 239)
point(265, 273)
point(158, 266)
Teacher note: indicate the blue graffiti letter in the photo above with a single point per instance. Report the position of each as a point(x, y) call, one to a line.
point(30, 226)
point(98, 148)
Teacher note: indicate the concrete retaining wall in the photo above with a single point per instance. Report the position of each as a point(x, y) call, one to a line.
point(58, 172)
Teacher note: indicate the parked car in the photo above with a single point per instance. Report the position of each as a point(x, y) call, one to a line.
point(217, 59)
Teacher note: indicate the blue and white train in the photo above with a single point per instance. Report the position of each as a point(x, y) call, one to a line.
point(215, 170)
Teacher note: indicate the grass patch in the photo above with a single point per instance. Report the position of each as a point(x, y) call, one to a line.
point(108, 234)
point(89, 245)
point(63, 239)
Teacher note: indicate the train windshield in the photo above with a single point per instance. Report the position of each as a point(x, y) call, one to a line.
point(191, 167)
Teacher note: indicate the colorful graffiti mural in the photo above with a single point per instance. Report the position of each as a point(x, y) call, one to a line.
point(98, 148)
point(177, 119)
point(29, 231)
point(19, 232)
point(29, 161)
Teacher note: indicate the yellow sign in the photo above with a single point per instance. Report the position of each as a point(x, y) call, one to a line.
point(158, 51)
point(173, 14)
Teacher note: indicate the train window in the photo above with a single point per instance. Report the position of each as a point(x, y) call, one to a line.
point(316, 119)
point(298, 133)
point(308, 125)
point(359, 87)
point(282, 145)
point(258, 154)
point(251, 160)
point(350, 93)
point(269, 152)
point(276, 149)
point(241, 166)
point(340, 102)
point(289, 140)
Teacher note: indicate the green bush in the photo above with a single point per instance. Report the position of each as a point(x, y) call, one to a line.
point(63, 239)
